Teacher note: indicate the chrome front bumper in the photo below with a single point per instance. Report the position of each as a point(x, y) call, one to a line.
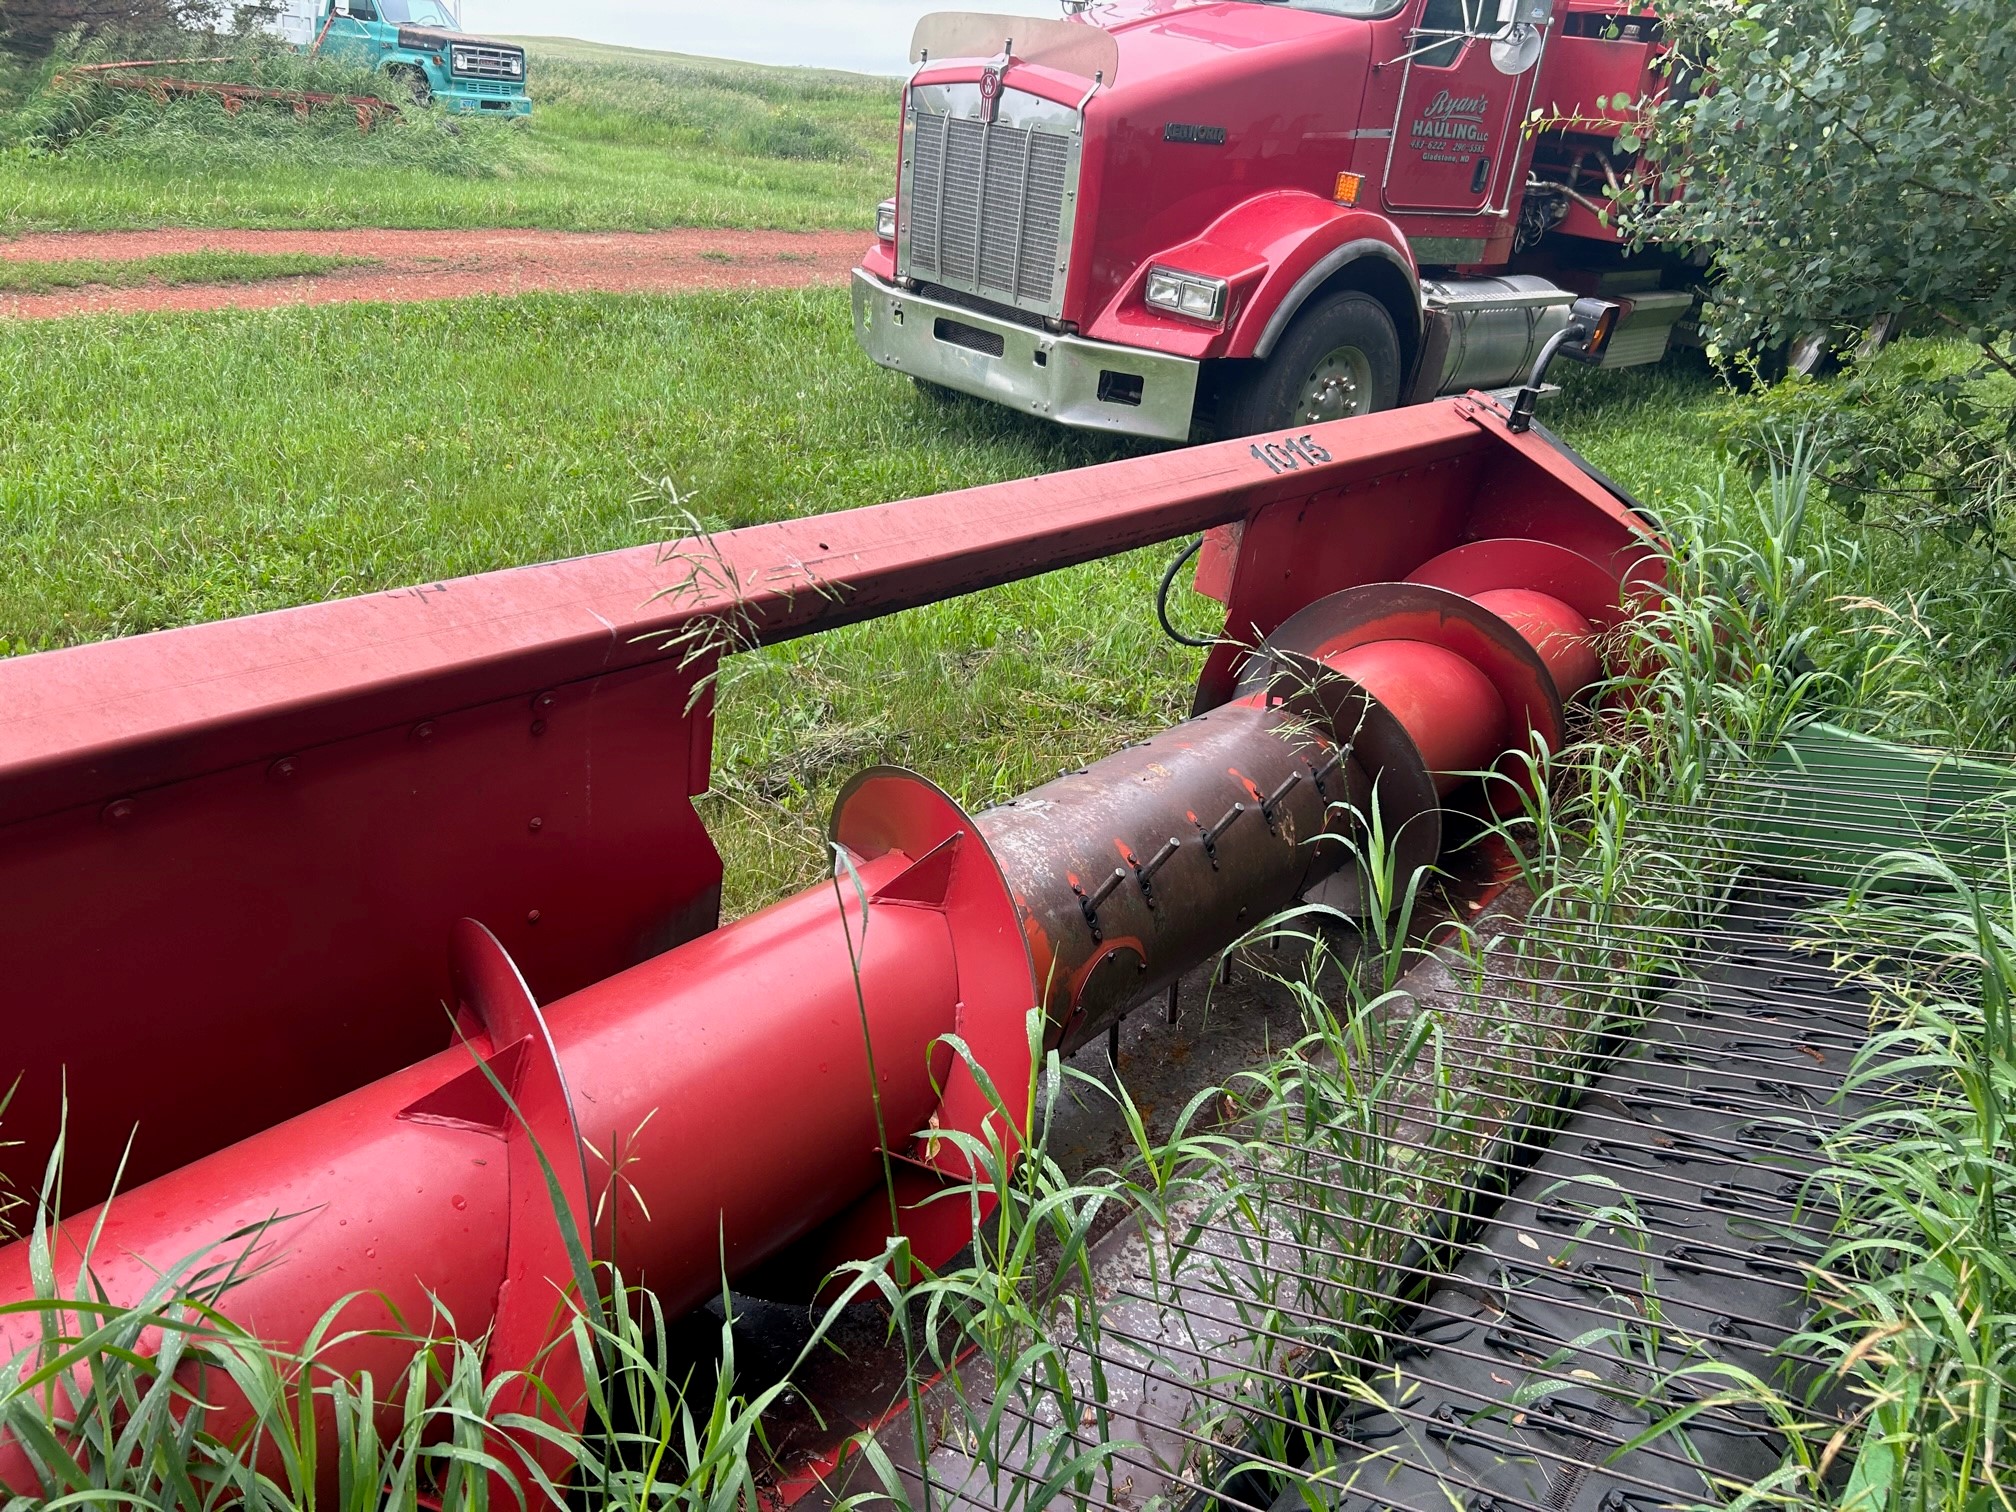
point(1086, 384)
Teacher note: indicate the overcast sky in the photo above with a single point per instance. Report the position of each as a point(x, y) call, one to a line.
point(868, 36)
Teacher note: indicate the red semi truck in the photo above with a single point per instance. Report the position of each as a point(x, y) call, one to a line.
point(1155, 217)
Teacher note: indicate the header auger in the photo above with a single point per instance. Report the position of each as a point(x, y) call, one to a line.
point(278, 849)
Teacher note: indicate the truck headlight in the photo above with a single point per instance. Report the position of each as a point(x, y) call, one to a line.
point(461, 62)
point(885, 221)
point(1189, 294)
point(517, 65)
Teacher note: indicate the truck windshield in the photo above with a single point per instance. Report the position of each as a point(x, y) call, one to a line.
point(415, 13)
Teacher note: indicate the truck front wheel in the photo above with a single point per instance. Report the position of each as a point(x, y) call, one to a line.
point(413, 81)
point(1340, 357)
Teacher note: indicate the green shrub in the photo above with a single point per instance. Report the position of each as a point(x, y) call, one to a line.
point(1851, 160)
point(1916, 444)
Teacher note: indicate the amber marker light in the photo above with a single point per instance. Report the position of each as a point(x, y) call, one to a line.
point(1348, 185)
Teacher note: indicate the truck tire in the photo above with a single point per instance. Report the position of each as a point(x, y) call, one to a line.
point(1810, 355)
point(1813, 355)
point(414, 82)
point(1340, 357)
point(1822, 353)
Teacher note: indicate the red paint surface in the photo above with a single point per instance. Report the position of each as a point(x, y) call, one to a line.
point(232, 844)
point(1592, 591)
point(1565, 640)
point(387, 1193)
point(1458, 721)
point(239, 853)
point(1301, 97)
point(277, 902)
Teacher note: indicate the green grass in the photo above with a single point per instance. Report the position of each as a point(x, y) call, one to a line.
point(159, 471)
point(216, 468)
point(216, 472)
point(156, 471)
point(619, 139)
point(168, 271)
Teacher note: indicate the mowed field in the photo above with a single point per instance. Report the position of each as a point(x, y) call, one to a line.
point(164, 469)
point(620, 139)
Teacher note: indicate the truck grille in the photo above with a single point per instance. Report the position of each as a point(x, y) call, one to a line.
point(988, 209)
point(489, 63)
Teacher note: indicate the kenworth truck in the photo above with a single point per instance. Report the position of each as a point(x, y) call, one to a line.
point(420, 47)
point(1154, 216)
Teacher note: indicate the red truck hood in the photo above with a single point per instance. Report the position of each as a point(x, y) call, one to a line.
point(1216, 36)
point(1201, 41)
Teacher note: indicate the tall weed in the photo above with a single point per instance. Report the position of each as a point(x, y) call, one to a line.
point(1778, 616)
point(86, 120)
point(167, 1403)
point(681, 102)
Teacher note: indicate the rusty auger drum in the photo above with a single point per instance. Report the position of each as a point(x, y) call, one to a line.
point(271, 853)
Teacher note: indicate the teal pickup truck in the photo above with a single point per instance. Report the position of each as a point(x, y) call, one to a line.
point(419, 45)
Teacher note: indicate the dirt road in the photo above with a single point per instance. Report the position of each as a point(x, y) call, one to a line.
point(444, 265)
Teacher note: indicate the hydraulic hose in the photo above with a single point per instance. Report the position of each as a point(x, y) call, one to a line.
point(1162, 599)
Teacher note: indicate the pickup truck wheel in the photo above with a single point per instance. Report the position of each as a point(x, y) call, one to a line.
point(1341, 357)
point(414, 83)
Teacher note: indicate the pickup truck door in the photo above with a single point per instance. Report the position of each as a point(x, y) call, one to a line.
point(348, 37)
point(1472, 71)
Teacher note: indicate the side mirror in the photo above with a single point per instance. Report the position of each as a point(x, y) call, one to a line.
point(1591, 324)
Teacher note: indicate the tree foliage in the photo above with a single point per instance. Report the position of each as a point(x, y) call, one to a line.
point(1908, 445)
point(1841, 159)
point(33, 28)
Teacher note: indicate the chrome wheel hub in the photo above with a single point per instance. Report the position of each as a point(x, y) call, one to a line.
point(1339, 386)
